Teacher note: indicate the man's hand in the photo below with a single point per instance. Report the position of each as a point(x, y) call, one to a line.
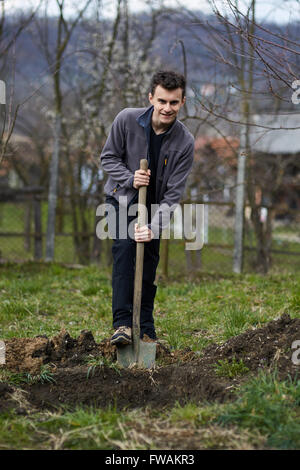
point(141, 178)
point(143, 234)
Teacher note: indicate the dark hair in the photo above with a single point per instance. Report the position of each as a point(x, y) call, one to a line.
point(168, 80)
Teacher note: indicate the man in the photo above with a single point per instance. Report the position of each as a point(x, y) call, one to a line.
point(156, 134)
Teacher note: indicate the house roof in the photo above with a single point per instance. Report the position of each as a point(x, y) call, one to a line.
point(285, 139)
point(224, 148)
point(4, 168)
point(282, 138)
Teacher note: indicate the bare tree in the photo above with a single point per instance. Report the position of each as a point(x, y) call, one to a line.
point(114, 72)
point(54, 55)
point(10, 32)
point(255, 66)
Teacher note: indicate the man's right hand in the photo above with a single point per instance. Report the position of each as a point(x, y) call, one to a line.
point(141, 178)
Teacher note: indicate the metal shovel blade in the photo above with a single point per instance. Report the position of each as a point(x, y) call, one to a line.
point(146, 357)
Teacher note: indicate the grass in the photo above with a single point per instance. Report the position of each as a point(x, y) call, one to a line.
point(80, 429)
point(231, 369)
point(267, 408)
point(19, 378)
point(94, 362)
point(42, 299)
point(36, 298)
point(270, 406)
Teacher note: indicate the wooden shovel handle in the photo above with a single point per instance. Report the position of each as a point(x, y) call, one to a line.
point(142, 196)
point(139, 263)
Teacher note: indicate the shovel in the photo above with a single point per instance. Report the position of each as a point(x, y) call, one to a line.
point(139, 352)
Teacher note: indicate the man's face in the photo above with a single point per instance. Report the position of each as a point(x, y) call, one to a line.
point(167, 104)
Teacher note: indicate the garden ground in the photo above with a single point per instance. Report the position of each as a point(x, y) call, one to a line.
point(224, 375)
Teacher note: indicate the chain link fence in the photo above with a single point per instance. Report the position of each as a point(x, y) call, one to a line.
point(23, 225)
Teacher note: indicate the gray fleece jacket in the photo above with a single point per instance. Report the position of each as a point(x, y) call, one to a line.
point(128, 143)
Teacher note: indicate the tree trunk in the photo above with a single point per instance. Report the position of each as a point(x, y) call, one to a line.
point(188, 260)
point(165, 258)
point(38, 246)
point(198, 259)
point(84, 239)
point(240, 198)
point(52, 194)
point(96, 248)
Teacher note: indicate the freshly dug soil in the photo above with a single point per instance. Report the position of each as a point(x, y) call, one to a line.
point(181, 375)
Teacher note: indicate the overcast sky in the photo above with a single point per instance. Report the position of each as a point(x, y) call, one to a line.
point(281, 11)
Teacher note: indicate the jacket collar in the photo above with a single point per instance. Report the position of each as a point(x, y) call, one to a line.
point(144, 120)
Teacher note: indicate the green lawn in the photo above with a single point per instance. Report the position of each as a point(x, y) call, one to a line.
point(40, 299)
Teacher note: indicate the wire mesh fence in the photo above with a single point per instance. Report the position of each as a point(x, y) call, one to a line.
point(23, 226)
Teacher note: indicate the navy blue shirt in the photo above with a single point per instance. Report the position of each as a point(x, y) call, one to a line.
point(154, 151)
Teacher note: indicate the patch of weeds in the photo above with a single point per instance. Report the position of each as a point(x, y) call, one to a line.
point(56, 269)
point(231, 369)
point(13, 378)
point(45, 375)
point(193, 413)
point(80, 429)
point(269, 406)
point(28, 286)
point(12, 309)
point(235, 321)
point(84, 428)
point(175, 340)
point(15, 432)
point(91, 290)
point(94, 362)
point(19, 378)
point(294, 303)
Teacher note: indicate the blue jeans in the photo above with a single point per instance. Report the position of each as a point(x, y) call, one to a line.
point(124, 253)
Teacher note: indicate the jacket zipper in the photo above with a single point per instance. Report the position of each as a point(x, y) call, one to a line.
point(165, 164)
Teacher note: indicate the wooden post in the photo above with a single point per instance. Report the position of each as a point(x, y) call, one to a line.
point(27, 224)
point(38, 242)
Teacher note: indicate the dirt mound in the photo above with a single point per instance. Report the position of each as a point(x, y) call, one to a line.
point(29, 354)
point(267, 347)
point(85, 372)
point(5, 396)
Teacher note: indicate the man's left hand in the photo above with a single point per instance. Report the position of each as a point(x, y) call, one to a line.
point(143, 234)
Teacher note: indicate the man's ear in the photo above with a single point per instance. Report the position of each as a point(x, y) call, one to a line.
point(150, 97)
point(183, 100)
